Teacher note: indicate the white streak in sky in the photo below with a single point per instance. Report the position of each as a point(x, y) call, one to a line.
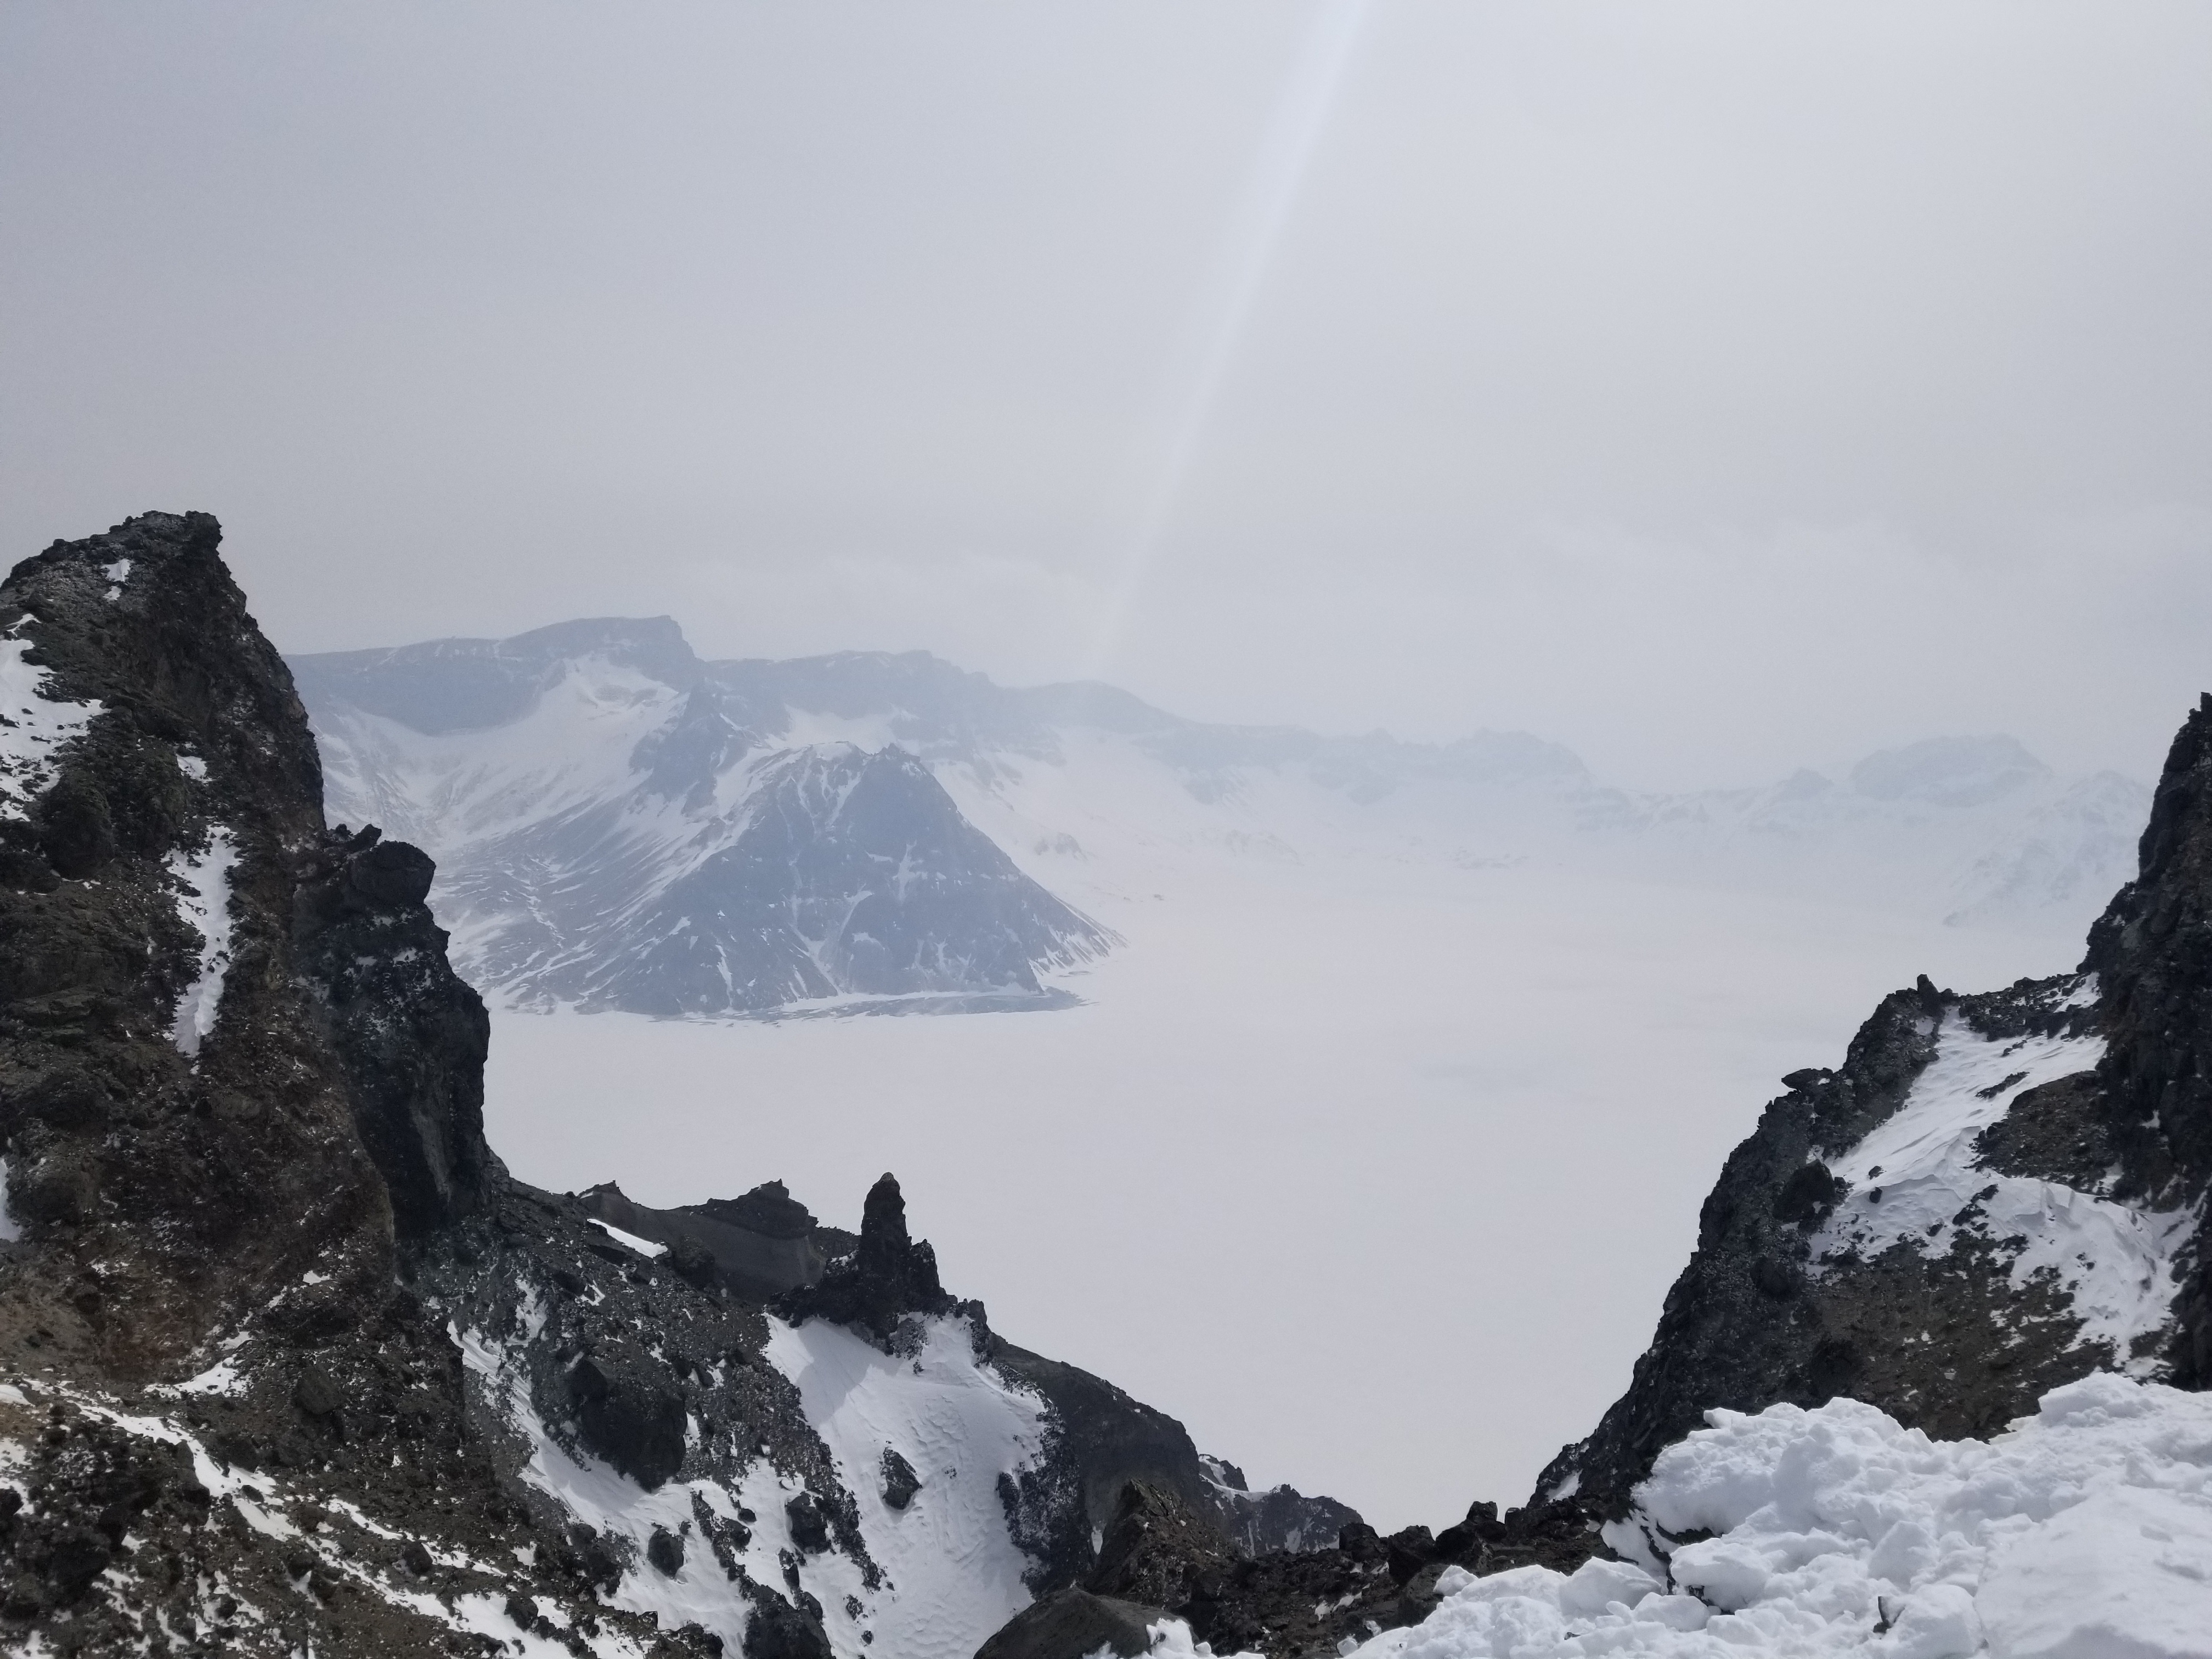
point(1224, 306)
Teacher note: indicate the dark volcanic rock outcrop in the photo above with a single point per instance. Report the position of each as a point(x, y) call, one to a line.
point(220, 1031)
point(2151, 954)
point(760, 1245)
point(1162, 1556)
point(1756, 1318)
point(888, 1277)
point(184, 1118)
point(1073, 1624)
point(1277, 1518)
point(410, 1036)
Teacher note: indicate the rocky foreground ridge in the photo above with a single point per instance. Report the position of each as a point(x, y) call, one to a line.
point(291, 1364)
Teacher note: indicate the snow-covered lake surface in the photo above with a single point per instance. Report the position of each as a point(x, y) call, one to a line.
point(1374, 1173)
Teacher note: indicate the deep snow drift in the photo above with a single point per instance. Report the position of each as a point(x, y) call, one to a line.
point(2085, 1532)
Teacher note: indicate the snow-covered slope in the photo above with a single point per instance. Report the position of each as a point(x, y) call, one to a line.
point(930, 1576)
point(621, 825)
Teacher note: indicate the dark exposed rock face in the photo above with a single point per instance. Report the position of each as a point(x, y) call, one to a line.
point(1157, 1549)
point(1732, 1332)
point(900, 1482)
point(1160, 1553)
point(778, 1630)
point(2152, 953)
point(1073, 1624)
point(208, 1182)
point(1097, 1441)
point(411, 1036)
point(628, 1411)
point(1280, 1518)
point(239, 1091)
point(1754, 1320)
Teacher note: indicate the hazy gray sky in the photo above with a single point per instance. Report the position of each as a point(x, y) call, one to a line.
point(1712, 388)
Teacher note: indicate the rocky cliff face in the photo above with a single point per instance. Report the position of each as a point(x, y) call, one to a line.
point(2151, 954)
point(197, 1099)
point(209, 1131)
point(1994, 1194)
point(287, 1361)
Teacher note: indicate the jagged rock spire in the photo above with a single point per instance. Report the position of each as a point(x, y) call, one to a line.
point(890, 1275)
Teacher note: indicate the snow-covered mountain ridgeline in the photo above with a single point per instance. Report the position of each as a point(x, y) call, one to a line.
point(617, 826)
point(620, 825)
point(290, 1364)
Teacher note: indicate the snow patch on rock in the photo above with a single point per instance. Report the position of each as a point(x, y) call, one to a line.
point(644, 1247)
point(204, 901)
point(32, 727)
point(1914, 1175)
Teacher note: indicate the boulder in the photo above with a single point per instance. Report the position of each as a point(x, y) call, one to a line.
point(1156, 1550)
point(900, 1481)
point(1072, 1624)
point(629, 1412)
point(777, 1630)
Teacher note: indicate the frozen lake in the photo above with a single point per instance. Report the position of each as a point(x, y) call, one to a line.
point(1374, 1174)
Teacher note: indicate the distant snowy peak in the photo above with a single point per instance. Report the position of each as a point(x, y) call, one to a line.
point(1949, 771)
point(845, 874)
point(460, 686)
point(619, 840)
point(619, 823)
point(2073, 850)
